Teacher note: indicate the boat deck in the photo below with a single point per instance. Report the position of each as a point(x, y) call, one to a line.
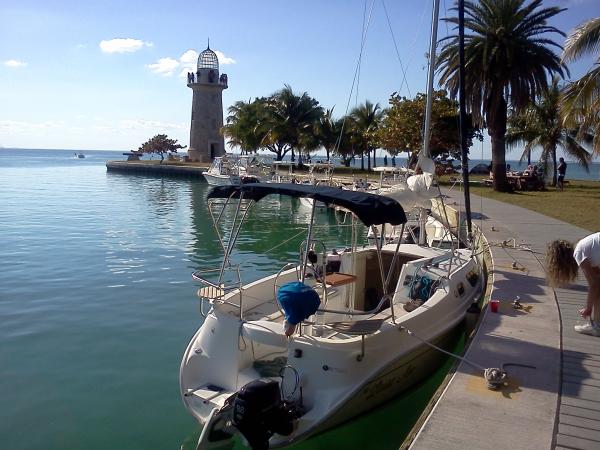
point(555, 405)
point(269, 311)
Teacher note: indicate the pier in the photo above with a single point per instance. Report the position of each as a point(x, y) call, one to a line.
point(155, 168)
point(557, 403)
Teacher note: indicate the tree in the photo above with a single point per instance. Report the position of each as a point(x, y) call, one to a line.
point(365, 121)
point(291, 120)
point(327, 132)
point(580, 100)
point(402, 126)
point(245, 125)
point(540, 126)
point(160, 144)
point(345, 139)
point(508, 62)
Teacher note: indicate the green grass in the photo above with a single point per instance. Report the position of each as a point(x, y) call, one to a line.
point(578, 204)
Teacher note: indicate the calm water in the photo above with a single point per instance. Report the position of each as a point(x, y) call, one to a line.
point(97, 305)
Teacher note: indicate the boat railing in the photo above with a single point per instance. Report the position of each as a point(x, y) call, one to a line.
point(215, 292)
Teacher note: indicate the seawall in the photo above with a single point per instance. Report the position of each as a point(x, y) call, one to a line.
point(152, 168)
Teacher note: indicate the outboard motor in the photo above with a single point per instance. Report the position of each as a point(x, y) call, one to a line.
point(259, 412)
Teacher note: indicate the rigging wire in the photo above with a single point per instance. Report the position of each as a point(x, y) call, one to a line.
point(413, 45)
point(362, 40)
point(356, 72)
point(404, 81)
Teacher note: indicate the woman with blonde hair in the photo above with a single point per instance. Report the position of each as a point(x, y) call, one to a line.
point(562, 262)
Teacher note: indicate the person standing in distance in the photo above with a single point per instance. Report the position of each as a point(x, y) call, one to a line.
point(562, 171)
point(562, 264)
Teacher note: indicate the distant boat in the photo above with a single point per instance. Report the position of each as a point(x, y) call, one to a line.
point(79, 155)
point(230, 170)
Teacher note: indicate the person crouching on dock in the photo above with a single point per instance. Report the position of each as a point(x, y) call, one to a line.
point(562, 263)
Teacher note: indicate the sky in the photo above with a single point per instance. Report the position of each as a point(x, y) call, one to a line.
point(109, 75)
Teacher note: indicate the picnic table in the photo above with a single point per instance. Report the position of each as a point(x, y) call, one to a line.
point(520, 181)
point(524, 181)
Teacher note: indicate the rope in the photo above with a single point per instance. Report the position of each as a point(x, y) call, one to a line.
point(495, 378)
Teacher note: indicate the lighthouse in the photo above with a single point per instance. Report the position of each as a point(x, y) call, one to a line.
point(206, 140)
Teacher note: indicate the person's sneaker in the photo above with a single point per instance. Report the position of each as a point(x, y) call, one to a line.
point(588, 328)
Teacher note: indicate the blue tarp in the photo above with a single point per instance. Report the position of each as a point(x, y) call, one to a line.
point(298, 301)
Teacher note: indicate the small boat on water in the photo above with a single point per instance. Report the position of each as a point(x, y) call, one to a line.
point(79, 155)
point(325, 338)
point(233, 170)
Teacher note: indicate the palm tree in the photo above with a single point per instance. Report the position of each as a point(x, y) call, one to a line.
point(243, 128)
point(292, 118)
point(508, 62)
point(581, 99)
point(345, 140)
point(365, 120)
point(327, 132)
point(540, 126)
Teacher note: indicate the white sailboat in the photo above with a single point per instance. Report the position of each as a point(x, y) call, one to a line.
point(328, 336)
point(332, 340)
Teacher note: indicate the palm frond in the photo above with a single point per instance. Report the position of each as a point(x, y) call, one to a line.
point(583, 39)
point(576, 150)
point(580, 98)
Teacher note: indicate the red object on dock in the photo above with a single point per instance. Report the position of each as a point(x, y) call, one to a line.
point(494, 305)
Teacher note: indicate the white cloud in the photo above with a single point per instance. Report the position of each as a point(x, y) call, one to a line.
point(187, 63)
point(142, 124)
point(14, 126)
point(103, 129)
point(189, 57)
point(119, 45)
point(224, 59)
point(14, 63)
point(164, 66)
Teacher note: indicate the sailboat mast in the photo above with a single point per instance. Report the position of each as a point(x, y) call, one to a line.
point(463, 113)
point(432, 46)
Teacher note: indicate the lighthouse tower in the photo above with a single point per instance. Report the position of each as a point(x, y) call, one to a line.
point(206, 140)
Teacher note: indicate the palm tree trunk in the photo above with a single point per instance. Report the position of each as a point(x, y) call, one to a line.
point(293, 157)
point(496, 117)
point(374, 157)
point(362, 161)
point(368, 159)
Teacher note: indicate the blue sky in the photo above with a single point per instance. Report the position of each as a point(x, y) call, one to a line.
point(107, 75)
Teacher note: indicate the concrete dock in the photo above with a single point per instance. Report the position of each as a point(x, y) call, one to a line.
point(155, 168)
point(554, 403)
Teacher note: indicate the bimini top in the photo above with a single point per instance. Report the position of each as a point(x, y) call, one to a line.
point(371, 209)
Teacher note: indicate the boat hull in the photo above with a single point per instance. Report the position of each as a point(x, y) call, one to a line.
point(221, 180)
point(341, 377)
point(392, 380)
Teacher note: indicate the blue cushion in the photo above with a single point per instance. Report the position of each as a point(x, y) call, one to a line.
point(298, 301)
